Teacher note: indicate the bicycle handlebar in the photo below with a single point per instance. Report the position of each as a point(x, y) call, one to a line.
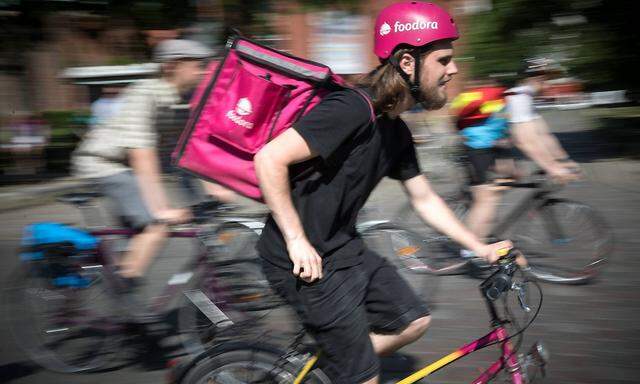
point(542, 181)
point(500, 281)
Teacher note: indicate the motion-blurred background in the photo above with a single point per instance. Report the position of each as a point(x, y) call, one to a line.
point(43, 111)
point(61, 61)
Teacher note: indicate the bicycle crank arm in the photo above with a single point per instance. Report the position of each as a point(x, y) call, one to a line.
point(208, 308)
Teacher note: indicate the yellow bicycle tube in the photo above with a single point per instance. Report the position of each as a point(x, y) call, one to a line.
point(408, 380)
point(307, 367)
point(431, 368)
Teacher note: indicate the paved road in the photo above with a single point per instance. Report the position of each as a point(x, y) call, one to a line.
point(591, 331)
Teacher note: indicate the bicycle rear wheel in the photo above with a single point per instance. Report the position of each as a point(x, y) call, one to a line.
point(62, 328)
point(244, 363)
point(565, 242)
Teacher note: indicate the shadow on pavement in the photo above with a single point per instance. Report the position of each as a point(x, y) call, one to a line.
point(15, 371)
point(613, 137)
point(396, 367)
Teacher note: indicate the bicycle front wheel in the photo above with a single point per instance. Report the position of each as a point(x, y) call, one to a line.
point(565, 242)
point(244, 363)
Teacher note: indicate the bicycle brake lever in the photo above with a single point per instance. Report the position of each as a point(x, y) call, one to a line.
point(522, 293)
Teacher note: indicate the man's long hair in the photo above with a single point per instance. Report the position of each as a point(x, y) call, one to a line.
point(388, 88)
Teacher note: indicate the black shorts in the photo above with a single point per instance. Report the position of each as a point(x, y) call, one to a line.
point(342, 308)
point(481, 161)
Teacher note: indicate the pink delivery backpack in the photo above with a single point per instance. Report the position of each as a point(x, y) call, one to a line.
point(250, 97)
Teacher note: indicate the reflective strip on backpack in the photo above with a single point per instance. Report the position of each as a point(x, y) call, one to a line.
point(284, 64)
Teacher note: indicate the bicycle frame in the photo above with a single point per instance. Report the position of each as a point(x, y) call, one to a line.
point(499, 335)
point(508, 360)
point(177, 280)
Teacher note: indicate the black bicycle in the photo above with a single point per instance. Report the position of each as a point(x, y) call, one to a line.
point(66, 310)
point(566, 242)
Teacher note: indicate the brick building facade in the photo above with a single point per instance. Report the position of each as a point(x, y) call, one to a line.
point(81, 39)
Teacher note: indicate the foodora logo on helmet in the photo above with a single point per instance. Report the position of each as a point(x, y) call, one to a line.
point(385, 29)
point(415, 26)
point(413, 23)
point(406, 27)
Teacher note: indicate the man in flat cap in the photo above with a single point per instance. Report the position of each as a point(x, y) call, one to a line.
point(122, 156)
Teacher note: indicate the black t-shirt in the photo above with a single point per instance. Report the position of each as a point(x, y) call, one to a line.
point(354, 154)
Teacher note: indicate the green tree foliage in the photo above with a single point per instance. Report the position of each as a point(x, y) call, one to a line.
point(593, 39)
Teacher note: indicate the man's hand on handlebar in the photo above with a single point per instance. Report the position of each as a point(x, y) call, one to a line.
point(563, 173)
point(492, 252)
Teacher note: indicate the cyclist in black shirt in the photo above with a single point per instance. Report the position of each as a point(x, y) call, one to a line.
point(316, 176)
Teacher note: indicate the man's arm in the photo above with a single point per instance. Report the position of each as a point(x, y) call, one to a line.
point(544, 150)
point(145, 165)
point(531, 135)
point(526, 138)
point(272, 168)
point(433, 211)
point(550, 140)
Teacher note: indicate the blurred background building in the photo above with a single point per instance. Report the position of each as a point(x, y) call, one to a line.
point(593, 39)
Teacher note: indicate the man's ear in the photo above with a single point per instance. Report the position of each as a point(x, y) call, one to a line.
point(407, 64)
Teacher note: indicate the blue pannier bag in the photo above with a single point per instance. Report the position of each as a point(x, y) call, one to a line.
point(57, 251)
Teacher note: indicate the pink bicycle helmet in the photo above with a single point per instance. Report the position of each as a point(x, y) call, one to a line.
point(414, 23)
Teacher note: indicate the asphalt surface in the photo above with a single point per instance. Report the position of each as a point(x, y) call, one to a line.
point(591, 330)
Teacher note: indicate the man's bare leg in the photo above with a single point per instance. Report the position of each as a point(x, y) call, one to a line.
point(142, 249)
point(373, 380)
point(483, 209)
point(386, 344)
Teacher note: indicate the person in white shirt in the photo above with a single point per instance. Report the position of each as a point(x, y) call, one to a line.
point(121, 153)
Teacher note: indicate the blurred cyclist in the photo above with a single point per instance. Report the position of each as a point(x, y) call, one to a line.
point(490, 118)
point(121, 153)
point(316, 176)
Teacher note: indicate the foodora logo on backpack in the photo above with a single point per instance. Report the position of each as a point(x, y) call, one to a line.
point(243, 108)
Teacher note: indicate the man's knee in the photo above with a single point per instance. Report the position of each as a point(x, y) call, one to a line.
point(373, 380)
point(419, 326)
